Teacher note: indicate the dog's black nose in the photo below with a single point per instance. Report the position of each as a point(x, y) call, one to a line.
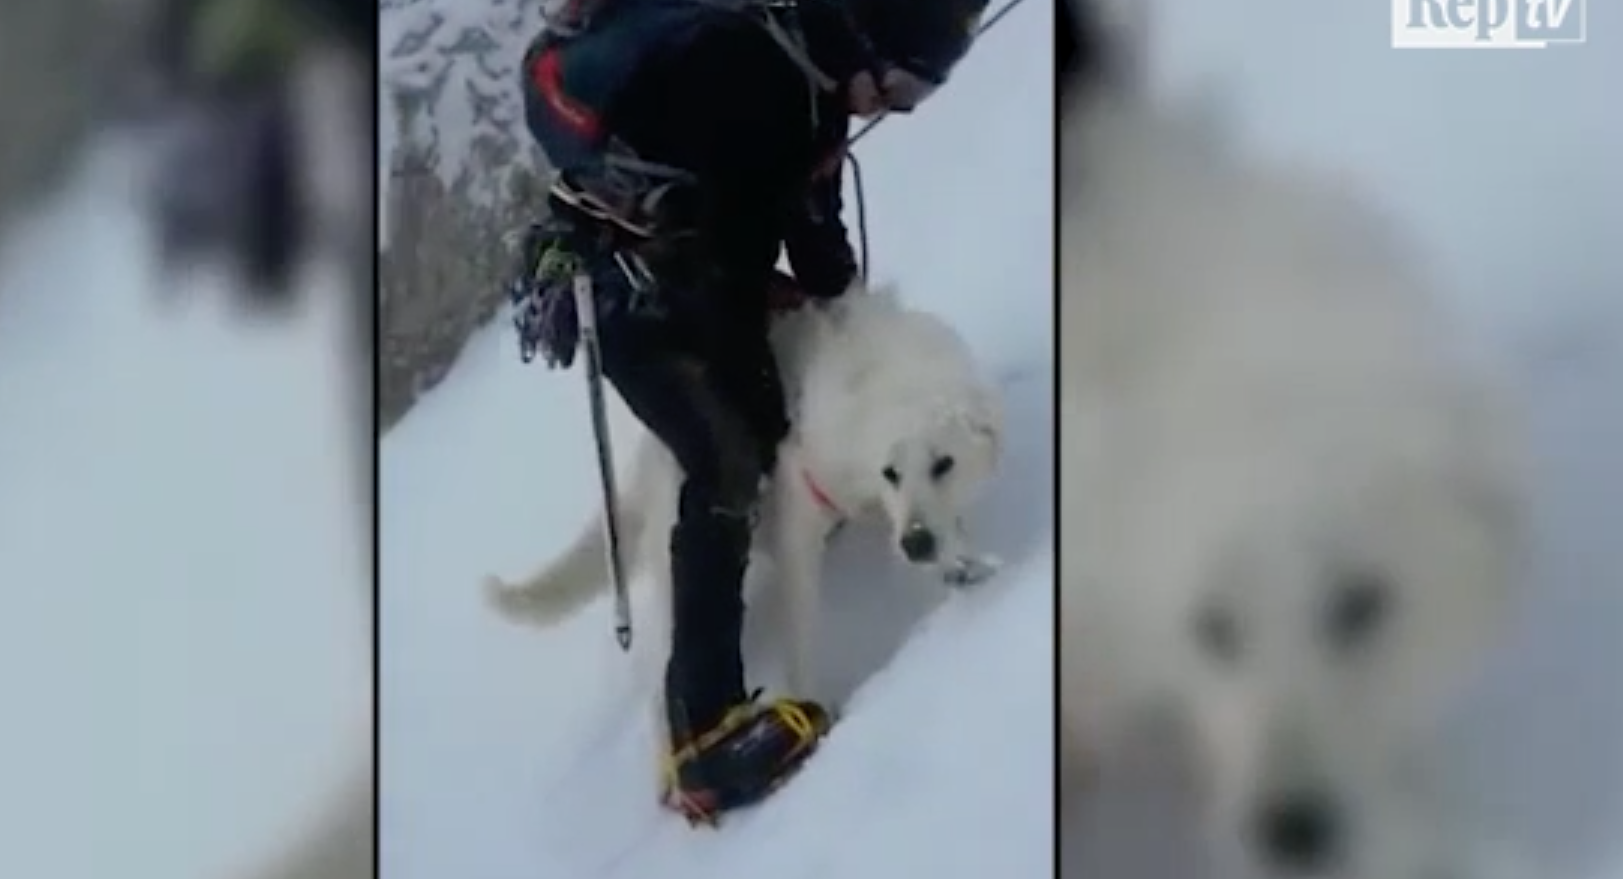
point(1299, 833)
point(919, 545)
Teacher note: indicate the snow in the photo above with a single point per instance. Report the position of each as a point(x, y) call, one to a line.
point(508, 752)
point(180, 648)
point(184, 575)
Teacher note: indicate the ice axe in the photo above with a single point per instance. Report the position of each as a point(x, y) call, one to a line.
point(587, 315)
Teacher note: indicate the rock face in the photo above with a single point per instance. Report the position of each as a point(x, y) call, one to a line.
point(462, 174)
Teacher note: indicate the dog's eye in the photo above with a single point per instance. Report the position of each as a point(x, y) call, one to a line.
point(1218, 632)
point(941, 467)
point(1358, 605)
point(891, 476)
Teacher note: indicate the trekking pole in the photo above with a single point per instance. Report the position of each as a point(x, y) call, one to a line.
point(585, 309)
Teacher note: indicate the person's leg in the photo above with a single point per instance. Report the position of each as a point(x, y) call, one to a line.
point(701, 377)
point(678, 398)
point(703, 411)
point(687, 401)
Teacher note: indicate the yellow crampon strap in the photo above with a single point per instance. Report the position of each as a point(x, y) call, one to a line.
point(793, 716)
point(729, 722)
point(796, 719)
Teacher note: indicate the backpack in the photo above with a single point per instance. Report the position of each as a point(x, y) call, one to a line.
point(590, 50)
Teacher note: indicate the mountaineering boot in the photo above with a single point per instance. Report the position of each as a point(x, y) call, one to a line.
point(727, 750)
point(751, 752)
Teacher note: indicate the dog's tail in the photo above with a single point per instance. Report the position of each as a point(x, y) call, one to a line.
point(570, 581)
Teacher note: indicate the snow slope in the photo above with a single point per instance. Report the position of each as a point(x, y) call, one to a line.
point(1504, 165)
point(511, 753)
point(183, 667)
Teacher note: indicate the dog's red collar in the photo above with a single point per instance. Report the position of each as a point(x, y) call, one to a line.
point(818, 494)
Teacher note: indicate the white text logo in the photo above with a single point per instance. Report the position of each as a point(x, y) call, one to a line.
point(1486, 24)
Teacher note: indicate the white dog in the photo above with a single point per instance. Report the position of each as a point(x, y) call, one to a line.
point(1292, 522)
point(891, 415)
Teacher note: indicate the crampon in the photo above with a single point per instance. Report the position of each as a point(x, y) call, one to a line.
point(752, 752)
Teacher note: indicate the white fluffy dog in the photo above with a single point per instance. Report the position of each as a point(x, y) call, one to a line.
point(891, 415)
point(1291, 520)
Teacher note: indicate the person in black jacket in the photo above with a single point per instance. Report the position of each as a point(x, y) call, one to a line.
point(695, 140)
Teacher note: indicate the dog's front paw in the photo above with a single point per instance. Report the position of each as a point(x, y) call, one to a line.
point(970, 570)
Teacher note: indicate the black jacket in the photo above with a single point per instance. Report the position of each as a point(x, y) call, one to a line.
point(816, 239)
point(730, 107)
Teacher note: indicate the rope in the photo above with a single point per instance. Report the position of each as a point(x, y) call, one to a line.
point(871, 124)
point(862, 211)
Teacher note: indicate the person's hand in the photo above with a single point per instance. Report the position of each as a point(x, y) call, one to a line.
point(864, 95)
point(903, 91)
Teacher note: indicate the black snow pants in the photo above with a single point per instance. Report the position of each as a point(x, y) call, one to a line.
point(701, 375)
point(720, 414)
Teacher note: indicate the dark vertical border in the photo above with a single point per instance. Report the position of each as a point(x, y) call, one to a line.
point(371, 290)
point(1064, 52)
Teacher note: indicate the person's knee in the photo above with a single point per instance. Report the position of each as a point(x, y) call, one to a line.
point(727, 481)
point(722, 452)
point(707, 425)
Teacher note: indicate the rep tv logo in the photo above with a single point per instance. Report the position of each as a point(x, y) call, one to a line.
point(1486, 24)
